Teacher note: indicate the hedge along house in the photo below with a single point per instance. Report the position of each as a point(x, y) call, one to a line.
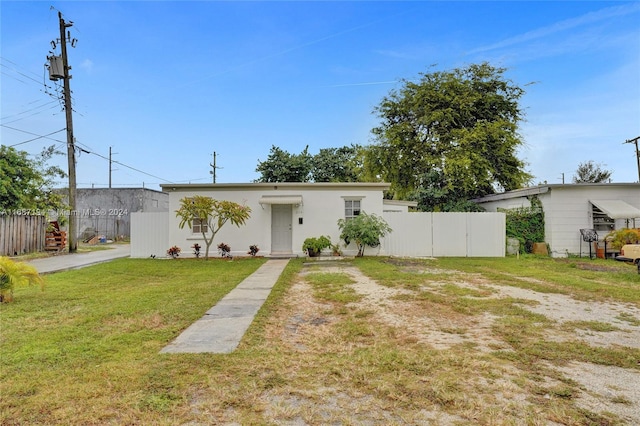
point(568, 208)
point(283, 215)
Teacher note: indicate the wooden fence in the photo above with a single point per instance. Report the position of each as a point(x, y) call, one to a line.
point(20, 234)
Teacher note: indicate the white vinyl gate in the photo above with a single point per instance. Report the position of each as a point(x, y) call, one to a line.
point(426, 234)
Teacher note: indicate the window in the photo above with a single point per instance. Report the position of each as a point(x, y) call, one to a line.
point(198, 226)
point(351, 209)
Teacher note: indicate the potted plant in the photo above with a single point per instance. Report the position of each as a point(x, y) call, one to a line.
point(314, 245)
point(253, 250)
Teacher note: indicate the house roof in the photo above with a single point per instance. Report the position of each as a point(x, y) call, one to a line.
point(275, 185)
point(542, 189)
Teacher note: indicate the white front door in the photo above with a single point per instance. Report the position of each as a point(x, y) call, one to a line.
point(281, 228)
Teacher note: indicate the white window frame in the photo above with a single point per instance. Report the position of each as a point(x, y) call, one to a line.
point(197, 223)
point(350, 209)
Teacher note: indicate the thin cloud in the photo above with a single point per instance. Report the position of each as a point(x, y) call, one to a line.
point(561, 26)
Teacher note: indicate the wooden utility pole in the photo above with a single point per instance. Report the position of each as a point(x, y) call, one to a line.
point(214, 167)
point(635, 140)
point(71, 149)
point(111, 166)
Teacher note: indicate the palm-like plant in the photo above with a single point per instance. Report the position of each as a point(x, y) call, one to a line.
point(14, 274)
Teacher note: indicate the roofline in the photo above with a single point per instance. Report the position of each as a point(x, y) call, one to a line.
point(542, 189)
point(113, 189)
point(275, 185)
point(400, 203)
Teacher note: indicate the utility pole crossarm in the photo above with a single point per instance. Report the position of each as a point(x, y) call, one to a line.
point(635, 141)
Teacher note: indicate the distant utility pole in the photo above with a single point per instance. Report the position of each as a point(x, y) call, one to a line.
point(59, 69)
point(635, 140)
point(110, 166)
point(214, 167)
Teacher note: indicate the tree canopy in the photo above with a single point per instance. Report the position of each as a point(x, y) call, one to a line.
point(344, 164)
point(281, 166)
point(459, 127)
point(27, 183)
point(590, 172)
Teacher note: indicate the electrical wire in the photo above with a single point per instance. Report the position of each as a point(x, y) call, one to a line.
point(39, 137)
point(18, 72)
point(34, 134)
point(3, 119)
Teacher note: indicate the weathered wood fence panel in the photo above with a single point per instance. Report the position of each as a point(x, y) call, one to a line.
point(20, 234)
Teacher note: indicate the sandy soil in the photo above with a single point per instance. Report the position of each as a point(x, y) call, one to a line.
point(603, 388)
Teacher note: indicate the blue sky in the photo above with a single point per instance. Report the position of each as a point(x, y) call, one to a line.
point(166, 84)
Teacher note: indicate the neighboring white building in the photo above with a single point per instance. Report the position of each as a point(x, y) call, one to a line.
point(571, 207)
point(283, 215)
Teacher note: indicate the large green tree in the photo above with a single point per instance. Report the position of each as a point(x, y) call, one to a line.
point(281, 166)
point(342, 164)
point(26, 182)
point(461, 125)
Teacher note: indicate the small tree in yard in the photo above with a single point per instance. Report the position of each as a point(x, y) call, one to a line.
point(14, 274)
point(211, 215)
point(364, 230)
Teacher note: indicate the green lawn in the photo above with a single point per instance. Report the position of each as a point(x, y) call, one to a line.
point(86, 349)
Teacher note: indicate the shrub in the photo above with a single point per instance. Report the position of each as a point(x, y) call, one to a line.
point(13, 274)
point(314, 245)
point(364, 230)
point(224, 250)
point(526, 224)
point(174, 251)
point(623, 236)
point(253, 250)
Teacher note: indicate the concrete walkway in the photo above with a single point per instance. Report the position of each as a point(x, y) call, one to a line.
point(65, 261)
point(220, 330)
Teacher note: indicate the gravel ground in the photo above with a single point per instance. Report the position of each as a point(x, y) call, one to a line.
point(603, 388)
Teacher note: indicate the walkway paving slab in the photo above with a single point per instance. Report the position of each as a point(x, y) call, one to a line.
point(223, 326)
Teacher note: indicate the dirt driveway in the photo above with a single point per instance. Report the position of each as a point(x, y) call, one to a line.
point(498, 385)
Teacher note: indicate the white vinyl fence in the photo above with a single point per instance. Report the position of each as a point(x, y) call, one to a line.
point(423, 234)
point(149, 234)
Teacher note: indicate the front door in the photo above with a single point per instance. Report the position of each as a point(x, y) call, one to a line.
point(281, 228)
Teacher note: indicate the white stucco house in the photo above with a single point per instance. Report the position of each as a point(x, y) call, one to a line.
point(283, 215)
point(568, 208)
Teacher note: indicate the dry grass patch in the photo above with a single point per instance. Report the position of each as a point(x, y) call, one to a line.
point(363, 342)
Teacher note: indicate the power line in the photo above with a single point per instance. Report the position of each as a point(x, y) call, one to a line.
point(123, 165)
point(87, 150)
point(18, 72)
point(48, 104)
point(34, 134)
point(40, 137)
